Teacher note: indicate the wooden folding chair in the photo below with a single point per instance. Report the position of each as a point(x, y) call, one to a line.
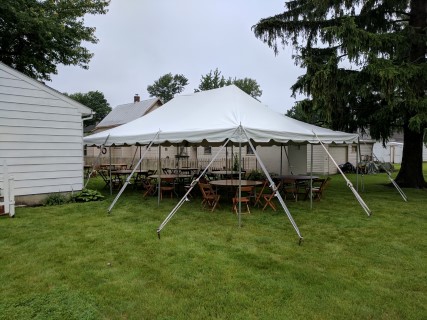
point(167, 186)
point(268, 198)
point(148, 188)
point(210, 197)
point(245, 198)
point(289, 189)
point(260, 194)
point(318, 187)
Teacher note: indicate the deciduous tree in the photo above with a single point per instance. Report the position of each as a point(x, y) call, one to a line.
point(96, 101)
point(214, 80)
point(36, 36)
point(167, 86)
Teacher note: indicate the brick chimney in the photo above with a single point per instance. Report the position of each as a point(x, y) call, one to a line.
point(136, 98)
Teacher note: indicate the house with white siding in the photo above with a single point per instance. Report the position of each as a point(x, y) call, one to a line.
point(41, 137)
point(296, 159)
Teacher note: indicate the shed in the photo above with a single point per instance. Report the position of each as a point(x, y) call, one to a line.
point(41, 137)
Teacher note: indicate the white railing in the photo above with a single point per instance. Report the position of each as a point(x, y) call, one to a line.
point(7, 192)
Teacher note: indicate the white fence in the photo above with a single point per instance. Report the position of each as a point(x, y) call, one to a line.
point(248, 163)
point(7, 193)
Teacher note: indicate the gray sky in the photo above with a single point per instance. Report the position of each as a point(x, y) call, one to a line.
point(141, 40)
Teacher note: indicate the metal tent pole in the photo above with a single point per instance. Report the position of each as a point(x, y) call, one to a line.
point(275, 190)
point(349, 184)
point(311, 177)
point(97, 160)
point(185, 197)
point(109, 167)
point(131, 174)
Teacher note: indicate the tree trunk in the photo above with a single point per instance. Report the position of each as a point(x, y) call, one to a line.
point(411, 171)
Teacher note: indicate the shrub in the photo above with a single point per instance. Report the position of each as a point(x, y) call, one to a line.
point(87, 195)
point(256, 175)
point(55, 199)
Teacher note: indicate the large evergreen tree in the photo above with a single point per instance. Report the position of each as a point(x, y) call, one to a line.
point(366, 67)
point(35, 36)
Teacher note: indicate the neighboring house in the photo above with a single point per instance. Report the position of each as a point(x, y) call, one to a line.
point(41, 137)
point(122, 114)
point(127, 112)
point(393, 150)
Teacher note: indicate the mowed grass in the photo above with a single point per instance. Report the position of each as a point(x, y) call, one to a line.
point(76, 261)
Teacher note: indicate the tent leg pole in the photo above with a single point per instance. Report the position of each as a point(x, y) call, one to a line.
point(111, 182)
point(95, 164)
point(131, 174)
point(240, 184)
point(349, 184)
point(311, 177)
point(174, 210)
point(159, 172)
point(274, 188)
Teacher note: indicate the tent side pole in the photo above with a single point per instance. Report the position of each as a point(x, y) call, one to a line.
point(281, 159)
point(403, 195)
point(349, 184)
point(96, 161)
point(240, 183)
point(311, 177)
point(131, 174)
point(185, 197)
point(289, 162)
point(109, 171)
point(357, 163)
point(159, 172)
point(274, 188)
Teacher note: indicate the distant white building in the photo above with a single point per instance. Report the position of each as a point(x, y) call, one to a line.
point(41, 137)
point(393, 150)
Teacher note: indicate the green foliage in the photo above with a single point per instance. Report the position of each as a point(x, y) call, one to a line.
point(38, 35)
point(256, 175)
point(96, 101)
point(167, 86)
point(87, 195)
point(214, 80)
point(55, 199)
point(236, 163)
point(250, 86)
point(365, 68)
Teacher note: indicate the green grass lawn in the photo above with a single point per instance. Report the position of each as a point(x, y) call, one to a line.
point(76, 261)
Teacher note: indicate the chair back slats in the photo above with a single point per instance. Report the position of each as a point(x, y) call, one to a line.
point(210, 197)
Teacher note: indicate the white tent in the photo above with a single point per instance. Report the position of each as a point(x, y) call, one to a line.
point(215, 117)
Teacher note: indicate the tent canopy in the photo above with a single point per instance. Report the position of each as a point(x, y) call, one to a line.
point(213, 116)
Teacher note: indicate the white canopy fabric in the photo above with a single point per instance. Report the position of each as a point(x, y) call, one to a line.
point(213, 116)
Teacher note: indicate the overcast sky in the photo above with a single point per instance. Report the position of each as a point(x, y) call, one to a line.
point(141, 40)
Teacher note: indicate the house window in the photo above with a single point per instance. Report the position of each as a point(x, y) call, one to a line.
point(354, 149)
point(207, 150)
point(249, 150)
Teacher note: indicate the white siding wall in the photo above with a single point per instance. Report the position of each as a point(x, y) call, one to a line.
point(40, 138)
